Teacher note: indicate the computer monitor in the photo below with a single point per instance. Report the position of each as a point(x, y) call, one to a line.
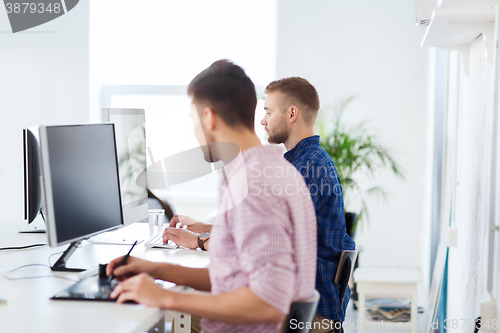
point(130, 130)
point(32, 203)
point(81, 187)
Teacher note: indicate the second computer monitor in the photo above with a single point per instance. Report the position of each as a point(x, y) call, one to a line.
point(130, 134)
point(32, 203)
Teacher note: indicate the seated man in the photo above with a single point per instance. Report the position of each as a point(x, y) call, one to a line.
point(292, 106)
point(263, 252)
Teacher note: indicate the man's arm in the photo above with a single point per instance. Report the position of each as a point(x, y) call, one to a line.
point(196, 278)
point(192, 224)
point(241, 306)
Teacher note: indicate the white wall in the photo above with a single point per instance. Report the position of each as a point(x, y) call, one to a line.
point(468, 261)
point(43, 80)
point(372, 48)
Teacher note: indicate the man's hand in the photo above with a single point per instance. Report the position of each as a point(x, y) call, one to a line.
point(141, 289)
point(181, 237)
point(132, 267)
point(193, 225)
point(182, 219)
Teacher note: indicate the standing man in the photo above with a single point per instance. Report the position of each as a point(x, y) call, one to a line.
point(263, 248)
point(292, 105)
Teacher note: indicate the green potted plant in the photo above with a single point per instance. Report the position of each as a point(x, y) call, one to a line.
point(354, 149)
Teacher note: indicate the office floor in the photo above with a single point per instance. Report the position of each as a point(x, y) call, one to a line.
point(352, 316)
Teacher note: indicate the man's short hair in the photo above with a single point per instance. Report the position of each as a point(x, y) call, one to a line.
point(299, 92)
point(228, 91)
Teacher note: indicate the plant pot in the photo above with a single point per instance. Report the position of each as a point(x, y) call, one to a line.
point(350, 222)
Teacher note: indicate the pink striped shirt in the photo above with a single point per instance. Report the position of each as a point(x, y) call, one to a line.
point(265, 237)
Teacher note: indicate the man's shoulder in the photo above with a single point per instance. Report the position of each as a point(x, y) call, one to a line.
point(277, 167)
point(273, 180)
point(316, 162)
point(314, 155)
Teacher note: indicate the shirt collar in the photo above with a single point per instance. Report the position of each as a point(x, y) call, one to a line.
point(300, 147)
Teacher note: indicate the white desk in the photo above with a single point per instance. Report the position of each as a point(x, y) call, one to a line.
point(29, 307)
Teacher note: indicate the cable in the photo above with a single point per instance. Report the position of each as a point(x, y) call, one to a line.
point(20, 247)
point(15, 269)
point(4, 273)
point(36, 277)
point(53, 254)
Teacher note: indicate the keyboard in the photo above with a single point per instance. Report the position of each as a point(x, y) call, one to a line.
point(157, 241)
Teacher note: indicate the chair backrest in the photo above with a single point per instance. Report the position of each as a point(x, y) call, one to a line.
point(344, 271)
point(301, 312)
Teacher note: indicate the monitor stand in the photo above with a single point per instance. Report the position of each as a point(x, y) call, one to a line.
point(33, 229)
point(37, 226)
point(60, 265)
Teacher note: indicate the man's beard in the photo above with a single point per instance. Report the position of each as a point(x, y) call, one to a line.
point(279, 135)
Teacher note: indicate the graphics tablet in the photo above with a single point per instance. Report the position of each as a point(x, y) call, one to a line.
point(93, 288)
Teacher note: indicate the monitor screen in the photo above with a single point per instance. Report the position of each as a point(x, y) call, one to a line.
point(82, 190)
point(130, 134)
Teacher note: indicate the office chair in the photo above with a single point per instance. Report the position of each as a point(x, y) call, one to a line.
point(301, 312)
point(344, 272)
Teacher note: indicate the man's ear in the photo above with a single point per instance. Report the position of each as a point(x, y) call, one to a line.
point(209, 118)
point(293, 114)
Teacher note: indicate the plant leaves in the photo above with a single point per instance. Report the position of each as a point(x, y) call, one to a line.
point(354, 149)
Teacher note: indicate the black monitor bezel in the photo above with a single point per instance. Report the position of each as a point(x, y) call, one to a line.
point(47, 188)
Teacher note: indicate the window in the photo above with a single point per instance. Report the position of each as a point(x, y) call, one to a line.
point(144, 54)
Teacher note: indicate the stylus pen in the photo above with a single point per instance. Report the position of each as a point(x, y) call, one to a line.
point(124, 260)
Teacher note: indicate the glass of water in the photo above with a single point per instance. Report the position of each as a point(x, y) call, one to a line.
point(155, 218)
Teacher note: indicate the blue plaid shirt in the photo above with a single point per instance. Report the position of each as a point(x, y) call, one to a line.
point(321, 176)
